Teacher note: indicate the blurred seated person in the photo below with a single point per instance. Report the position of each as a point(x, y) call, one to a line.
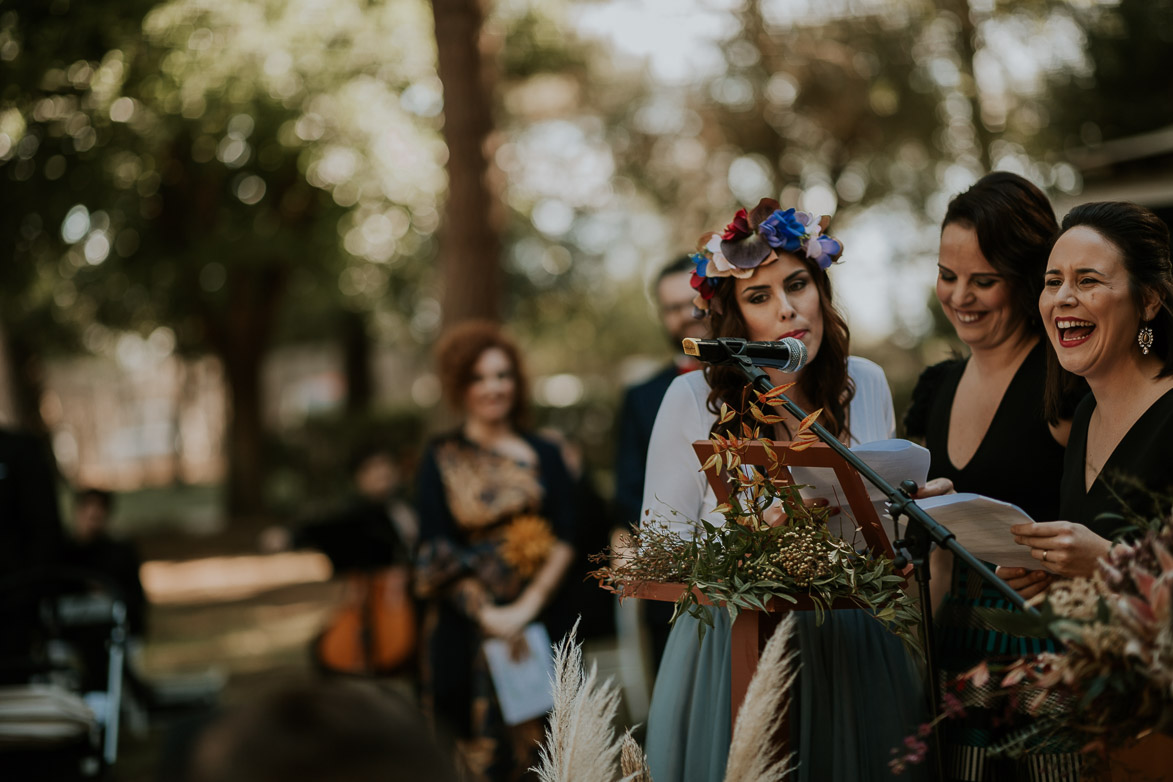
point(93, 549)
point(374, 529)
point(333, 731)
point(373, 631)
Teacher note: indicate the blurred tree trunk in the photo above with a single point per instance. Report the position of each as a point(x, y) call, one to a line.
point(9, 408)
point(470, 243)
point(241, 337)
point(356, 362)
point(966, 49)
point(21, 383)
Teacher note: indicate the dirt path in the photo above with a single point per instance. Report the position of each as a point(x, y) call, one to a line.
point(244, 619)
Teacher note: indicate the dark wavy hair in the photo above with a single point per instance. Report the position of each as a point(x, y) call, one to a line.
point(824, 382)
point(458, 351)
point(1143, 241)
point(1015, 227)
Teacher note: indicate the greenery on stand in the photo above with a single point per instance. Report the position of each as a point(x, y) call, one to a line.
point(772, 547)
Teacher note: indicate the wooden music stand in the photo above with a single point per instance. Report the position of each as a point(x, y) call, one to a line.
point(751, 630)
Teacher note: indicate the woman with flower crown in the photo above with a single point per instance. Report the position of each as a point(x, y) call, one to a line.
point(497, 519)
point(858, 694)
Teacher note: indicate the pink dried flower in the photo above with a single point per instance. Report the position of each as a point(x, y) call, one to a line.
point(953, 707)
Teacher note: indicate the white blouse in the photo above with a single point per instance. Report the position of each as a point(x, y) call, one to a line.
point(677, 493)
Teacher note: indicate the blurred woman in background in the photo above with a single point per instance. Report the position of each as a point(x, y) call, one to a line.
point(496, 522)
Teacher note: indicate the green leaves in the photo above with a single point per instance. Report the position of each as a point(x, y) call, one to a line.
point(771, 549)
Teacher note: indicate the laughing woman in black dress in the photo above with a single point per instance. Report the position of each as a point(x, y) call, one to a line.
point(1106, 308)
point(982, 419)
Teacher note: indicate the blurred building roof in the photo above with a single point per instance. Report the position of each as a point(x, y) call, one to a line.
point(1135, 168)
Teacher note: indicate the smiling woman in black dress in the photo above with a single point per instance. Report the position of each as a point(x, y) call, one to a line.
point(982, 418)
point(1105, 305)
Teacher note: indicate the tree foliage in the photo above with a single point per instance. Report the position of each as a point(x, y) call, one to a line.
point(226, 173)
point(190, 170)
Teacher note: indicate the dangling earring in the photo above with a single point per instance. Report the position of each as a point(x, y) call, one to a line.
point(1145, 339)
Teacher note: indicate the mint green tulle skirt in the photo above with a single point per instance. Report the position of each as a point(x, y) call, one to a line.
point(859, 694)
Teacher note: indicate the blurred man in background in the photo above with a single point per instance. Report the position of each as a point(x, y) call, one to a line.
point(673, 296)
point(93, 549)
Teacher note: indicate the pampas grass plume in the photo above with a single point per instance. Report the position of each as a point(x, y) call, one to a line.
point(580, 744)
point(633, 764)
point(751, 753)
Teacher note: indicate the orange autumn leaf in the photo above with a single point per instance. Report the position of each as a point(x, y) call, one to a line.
point(777, 391)
point(804, 441)
point(807, 422)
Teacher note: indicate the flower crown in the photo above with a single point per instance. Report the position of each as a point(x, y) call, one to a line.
point(741, 249)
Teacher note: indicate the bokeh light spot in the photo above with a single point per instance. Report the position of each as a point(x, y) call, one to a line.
point(76, 224)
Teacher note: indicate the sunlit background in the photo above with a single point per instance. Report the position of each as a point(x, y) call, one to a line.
point(224, 222)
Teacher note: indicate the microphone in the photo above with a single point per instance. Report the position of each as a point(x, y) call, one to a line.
point(788, 355)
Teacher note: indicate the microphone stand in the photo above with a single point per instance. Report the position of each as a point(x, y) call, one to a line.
point(912, 549)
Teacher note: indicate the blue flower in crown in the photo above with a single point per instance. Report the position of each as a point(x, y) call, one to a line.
point(783, 230)
point(700, 260)
point(823, 250)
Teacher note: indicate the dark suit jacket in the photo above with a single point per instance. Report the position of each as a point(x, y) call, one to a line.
point(640, 405)
point(30, 527)
point(118, 563)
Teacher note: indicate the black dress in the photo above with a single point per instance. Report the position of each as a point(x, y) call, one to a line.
point(1130, 483)
point(1018, 461)
point(475, 506)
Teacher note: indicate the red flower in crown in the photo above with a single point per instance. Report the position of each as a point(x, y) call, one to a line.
point(703, 286)
point(739, 228)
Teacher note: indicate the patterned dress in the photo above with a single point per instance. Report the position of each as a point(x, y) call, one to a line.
point(1018, 461)
point(486, 525)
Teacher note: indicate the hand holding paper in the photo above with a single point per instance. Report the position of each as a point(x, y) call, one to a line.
point(522, 681)
point(982, 525)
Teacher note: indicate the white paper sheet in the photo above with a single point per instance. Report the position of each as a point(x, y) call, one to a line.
point(982, 525)
point(524, 688)
point(894, 460)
